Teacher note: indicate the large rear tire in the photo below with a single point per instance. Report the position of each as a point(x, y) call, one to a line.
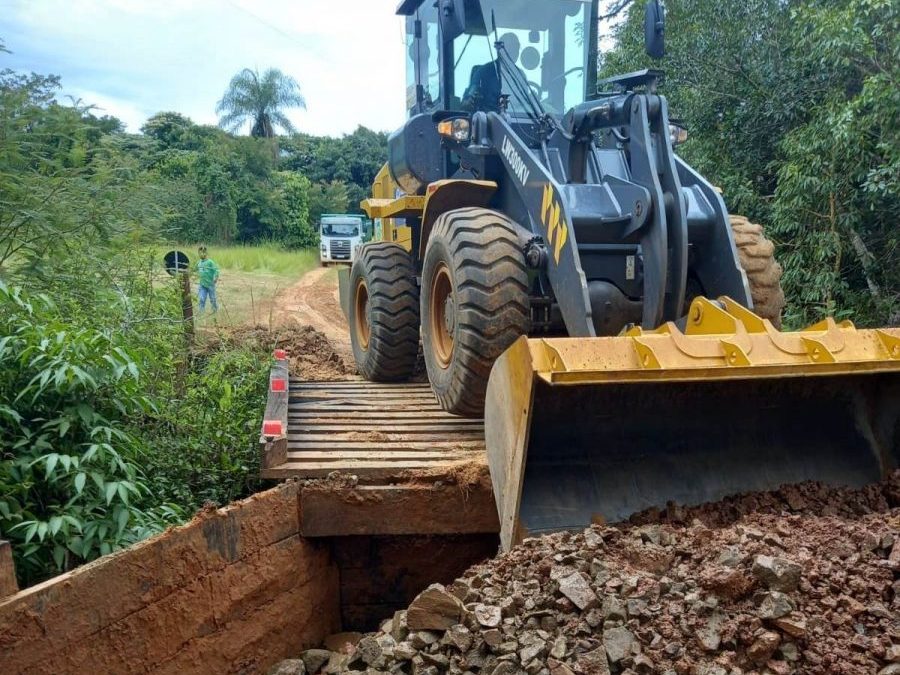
point(757, 258)
point(384, 313)
point(474, 303)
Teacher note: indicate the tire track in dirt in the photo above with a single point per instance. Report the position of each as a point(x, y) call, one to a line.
point(313, 301)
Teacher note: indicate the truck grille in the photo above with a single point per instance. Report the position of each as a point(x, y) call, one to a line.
point(340, 249)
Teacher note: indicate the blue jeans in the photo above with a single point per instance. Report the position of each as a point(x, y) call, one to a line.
point(203, 293)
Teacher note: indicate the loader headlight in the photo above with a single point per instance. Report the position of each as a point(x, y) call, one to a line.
point(457, 128)
point(677, 134)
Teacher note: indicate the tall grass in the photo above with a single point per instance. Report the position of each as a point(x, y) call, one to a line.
point(262, 259)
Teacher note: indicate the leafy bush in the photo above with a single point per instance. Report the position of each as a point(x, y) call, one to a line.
point(69, 479)
point(204, 442)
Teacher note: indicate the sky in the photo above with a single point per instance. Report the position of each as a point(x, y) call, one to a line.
point(133, 58)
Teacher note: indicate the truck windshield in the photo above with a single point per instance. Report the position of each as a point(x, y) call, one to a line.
point(340, 229)
point(549, 43)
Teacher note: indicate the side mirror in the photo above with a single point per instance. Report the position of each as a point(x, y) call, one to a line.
point(654, 29)
point(452, 15)
point(460, 16)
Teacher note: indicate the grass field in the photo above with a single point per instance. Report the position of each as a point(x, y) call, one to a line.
point(251, 277)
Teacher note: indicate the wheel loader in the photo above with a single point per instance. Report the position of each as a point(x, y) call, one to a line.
point(578, 284)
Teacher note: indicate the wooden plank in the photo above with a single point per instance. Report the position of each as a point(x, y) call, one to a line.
point(8, 583)
point(273, 449)
point(387, 456)
point(397, 510)
point(404, 427)
point(368, 470)
point(370, 416)
point(342, 446)
point(390, 440)
point(372, 407)
point(360, 384)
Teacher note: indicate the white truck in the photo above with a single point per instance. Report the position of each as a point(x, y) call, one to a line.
point(339, 236)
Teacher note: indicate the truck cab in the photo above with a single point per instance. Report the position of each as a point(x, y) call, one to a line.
point(339, 236)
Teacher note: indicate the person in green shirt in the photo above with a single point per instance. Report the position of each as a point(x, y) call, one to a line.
point(208, 272)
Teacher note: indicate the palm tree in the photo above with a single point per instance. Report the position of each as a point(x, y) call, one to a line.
point(261, 101)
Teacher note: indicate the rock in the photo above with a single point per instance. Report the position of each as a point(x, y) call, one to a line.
point(434, 609)
point(778, 574)
point(492, 638)
point(893, 668)
point(643, 664)
point(460, 637)
point(314, 659)
point(440, 661)
point(289, 667)
point(399, 627)
point(372, 650)
point(618, 642)
point(763, 647)
point(793, 625)
point(422, 638)
point(614, 609)
point(789, 651)
point(530, 652)
point(593, 662)
point(404, 651)
point(730, 556)
point(709, 635)
point(558, 668)
point(343, 643)
point(559, 648)
point(774, 605)
point(488, 616)
point(892, 654)
point(577, 589)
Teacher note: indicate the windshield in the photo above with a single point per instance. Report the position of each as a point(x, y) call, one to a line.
point(340, 229)
point(548, 43)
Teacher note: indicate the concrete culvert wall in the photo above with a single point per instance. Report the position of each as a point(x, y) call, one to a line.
point(234, 590)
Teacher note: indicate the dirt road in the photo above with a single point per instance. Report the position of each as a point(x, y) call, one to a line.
point(313, 301)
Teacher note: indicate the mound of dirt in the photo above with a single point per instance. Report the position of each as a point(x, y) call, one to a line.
point(311, 354)
point(802, 580)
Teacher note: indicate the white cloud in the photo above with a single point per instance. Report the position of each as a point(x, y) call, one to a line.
point(143, 56)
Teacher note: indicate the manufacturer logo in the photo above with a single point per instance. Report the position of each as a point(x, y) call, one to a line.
point(516, 163)
point(557, 230)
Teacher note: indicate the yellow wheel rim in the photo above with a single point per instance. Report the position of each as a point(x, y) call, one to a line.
point(442, 313)
point(362, 313)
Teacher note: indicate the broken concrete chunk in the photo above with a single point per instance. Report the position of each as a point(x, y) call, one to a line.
point(763, 647)
point(618, 642)
point(710, 636)
point(577, 589)
point(778, 574)
point(314, 659)
point(774, 605)
point(488, 616)
point(434, 609)
point(794, 625)
point(289, 667)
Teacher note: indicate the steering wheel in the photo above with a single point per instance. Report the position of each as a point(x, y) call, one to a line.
point(566, 74)
point(536, 88)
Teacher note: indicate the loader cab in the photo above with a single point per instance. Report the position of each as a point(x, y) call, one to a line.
point(450, 46)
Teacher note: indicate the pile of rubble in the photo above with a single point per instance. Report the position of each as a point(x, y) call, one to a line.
point(803, 580)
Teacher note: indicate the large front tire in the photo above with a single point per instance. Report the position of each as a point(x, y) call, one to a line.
point(757, 257)
point(384, 313)
point(474, 303)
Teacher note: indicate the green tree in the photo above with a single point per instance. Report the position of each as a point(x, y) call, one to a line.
point(328, 197)
point(261, 100)
point(792, 108)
